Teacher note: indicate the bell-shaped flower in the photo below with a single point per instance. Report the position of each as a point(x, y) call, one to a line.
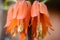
point(40, 20)
point(18, 19)
point(24, 18)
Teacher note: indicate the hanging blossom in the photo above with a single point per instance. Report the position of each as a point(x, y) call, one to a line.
point(40, 20)
point(18, 19)
point(21, 13)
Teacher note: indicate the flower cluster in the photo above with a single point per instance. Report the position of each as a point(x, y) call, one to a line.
point(22, 13)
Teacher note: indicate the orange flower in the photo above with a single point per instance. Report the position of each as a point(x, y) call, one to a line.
point(34, 15)
point(24, 17)
point(45, 19)
point(12, 20)
point(19, 17)
point(40, 19)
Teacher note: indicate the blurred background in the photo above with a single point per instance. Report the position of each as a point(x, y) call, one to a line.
point(54, 12)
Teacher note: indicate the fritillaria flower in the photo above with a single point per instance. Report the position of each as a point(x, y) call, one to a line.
point(40, 20)
point(18, 19)
point(21, 13)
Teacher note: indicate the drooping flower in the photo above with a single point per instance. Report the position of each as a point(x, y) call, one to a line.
point(18, 19)
point(12, 21)
point(34, 14)
point(45, 19)
point(40, 20)
point(24, 16)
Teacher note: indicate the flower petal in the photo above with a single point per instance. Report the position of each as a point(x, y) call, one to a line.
point(22, 11)
point(44, 27)
point(22, 36)
point(43, 9)
point(27, 18)
point(34, 26)
point(35, 9)
point(9, 16)
point(12, 25)
point(15, 12)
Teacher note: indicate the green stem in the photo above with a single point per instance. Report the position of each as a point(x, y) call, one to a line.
point(44, 1)
point(5, 4)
